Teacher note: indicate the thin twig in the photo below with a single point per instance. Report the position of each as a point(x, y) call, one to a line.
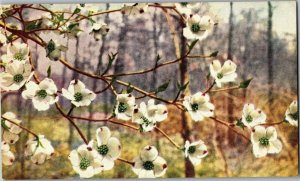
point(72, 122)
point(126, 161)
point(162, 132)
point(20, 126)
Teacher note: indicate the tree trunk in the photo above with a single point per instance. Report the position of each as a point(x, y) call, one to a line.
point(74, 76)
point(185, 118)
point(246, 54)
point(230, 105)
point(270, 53)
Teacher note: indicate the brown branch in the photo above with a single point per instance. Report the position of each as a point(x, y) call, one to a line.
point(105, 120)
point(20, 126)
point(162, 132)
point(126, 161)
point(72, 122)
point(230, 126)
point(225, 89)
point(209, 88)
point(271, 124)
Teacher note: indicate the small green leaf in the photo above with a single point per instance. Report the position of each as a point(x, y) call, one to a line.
point(32, 25)
point(91, 21)
point(240, 124)
point(184, 86)
point(129, 89)
point(111, 58)
point(3, 125)
point(82, 5)
point(73, 25)
point(191, 46)
point(49, 71)
point(214, 54)
point(245, 84)
point(60, 17)
point(162, 87)
point(157, 60)
point(76, 11)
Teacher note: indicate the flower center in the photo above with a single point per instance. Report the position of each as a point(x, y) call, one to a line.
point(264, 141)
point(18, 78)
point(78, 96)
point(42, 94)
point(220, 75)
point(84, 163)
point(192, 149)
point(146, 120)
point(122, 107)
point(294, 115)
point(19, 56)
point(195, 107)
point(249, 119)
point(184, 4)
point(195, 28)
point(51, 46)
point(103, 149)
point(148, 165)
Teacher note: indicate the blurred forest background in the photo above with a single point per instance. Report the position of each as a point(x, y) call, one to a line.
point(259, 36)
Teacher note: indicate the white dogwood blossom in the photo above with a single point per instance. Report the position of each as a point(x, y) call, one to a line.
point(198, 106)
point(124, 107)
point(223, 74)
point(8, 157)
point(108, 148)
point(186, 8)
point(42, 95)
point(148, 115)
point(252, 117)
point(265, 141)
point(134, 9)
point(46, 21)
point(197, 27)
point(10, 131)
point(99, 30)
point(17, 51)
point(16, 74)
point(195, 151)
point(78, 94)
point(54, 49)
point(291, 114)
point(85, 161)
point(39, 149)
point(148, 164)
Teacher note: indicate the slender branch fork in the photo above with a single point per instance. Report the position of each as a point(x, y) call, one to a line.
point(107, 79)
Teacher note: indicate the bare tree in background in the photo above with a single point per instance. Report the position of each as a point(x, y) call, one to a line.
point(230, 104)
point(185, 118)
point(270, 52)
point(74, 76)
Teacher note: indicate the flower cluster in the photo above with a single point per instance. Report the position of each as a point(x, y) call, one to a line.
point(39, 149)
point(264, 138)
point(97, 156)
point(147, 116)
